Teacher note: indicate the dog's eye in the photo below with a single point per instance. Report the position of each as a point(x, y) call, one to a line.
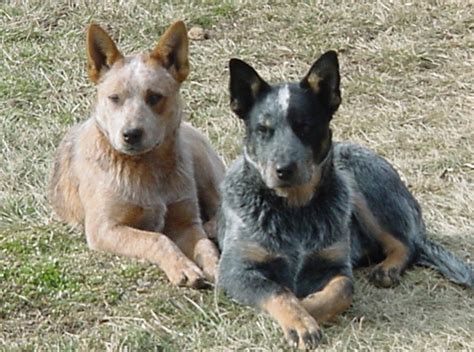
point(114, 98)
point(263, 130)
point(153, 99)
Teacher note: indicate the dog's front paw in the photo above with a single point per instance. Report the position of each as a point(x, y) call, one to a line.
point(206, 256)
point(385, 277)
point(303, 333)
point(300, 328)
point(186, 273)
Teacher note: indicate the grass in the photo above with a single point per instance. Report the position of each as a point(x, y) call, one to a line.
point(407, 84)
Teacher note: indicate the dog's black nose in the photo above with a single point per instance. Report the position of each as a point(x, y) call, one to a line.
point(132, 136)
point(285, 172)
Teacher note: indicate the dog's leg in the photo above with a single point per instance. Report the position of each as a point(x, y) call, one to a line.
point(243, 273)
point(152, 246)
point(251, 287)
point(109, 229)
point(332, 300)
point(326, 281)
point(210, 201)
point(195, 244)
point(388, 272)
point(184, 227)
point(300, 328)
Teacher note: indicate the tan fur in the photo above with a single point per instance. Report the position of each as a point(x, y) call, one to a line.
point(332, 300)
point(256, 253)
point(96, 62)
point(396, 260)
point(298, 196)
point(313, 80)
point(176, 61)
point(336, 252)
point(288, 311)
point(145, 202)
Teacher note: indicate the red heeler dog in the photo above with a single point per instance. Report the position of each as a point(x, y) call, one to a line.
point(141, 182)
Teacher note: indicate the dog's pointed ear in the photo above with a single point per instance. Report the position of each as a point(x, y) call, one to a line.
point(102, 52)
point(323, 80)
point(245, 86)
point(172, 51)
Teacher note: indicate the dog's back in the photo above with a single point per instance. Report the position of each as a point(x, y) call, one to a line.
point(64, 184)
point(383, 205)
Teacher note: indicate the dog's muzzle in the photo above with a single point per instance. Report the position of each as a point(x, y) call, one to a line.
point(132, 136)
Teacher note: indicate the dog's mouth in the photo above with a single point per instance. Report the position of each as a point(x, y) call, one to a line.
point(137, 150)
point(274, 182)
point(273, 178)
point(278, 184)
point(288, 186)
point(132, 151)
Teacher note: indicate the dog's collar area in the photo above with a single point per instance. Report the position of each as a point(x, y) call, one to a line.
point(249, 160)
point(326, 158)
point(324, 166)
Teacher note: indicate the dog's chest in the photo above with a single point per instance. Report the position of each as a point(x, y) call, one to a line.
point(151, 183)
point(153, 218)
point(295, 231)
point(153, 193)
point(299, 237)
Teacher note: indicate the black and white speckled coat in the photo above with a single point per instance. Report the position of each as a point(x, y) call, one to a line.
point(298, 212)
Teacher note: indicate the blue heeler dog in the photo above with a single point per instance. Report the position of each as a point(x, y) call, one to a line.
point(299, 212)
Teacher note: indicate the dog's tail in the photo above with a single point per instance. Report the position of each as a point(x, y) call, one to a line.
point(435, 256)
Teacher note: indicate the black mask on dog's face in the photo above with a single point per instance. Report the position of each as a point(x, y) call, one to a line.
point(287, 125)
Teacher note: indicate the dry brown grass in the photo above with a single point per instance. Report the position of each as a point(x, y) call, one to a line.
point(408, 93)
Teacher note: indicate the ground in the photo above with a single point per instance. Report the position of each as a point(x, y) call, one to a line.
point(408, 88)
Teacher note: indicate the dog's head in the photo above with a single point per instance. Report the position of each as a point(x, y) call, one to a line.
point(138, 103)
point(287, 125)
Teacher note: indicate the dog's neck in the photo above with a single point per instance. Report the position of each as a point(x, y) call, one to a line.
point(137, 178)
